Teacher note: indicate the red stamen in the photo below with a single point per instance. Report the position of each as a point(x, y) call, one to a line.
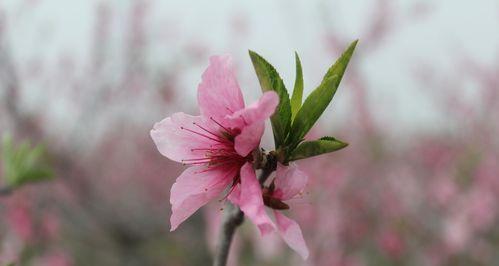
point(195, 159)
point(220, 125)
point(207, 130)
point(209, 149)
point(202, 135)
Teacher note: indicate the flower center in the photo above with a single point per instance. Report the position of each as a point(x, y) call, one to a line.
point(221, 150)
point(220, 154)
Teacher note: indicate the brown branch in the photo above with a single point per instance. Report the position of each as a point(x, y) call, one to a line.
point(234, 217)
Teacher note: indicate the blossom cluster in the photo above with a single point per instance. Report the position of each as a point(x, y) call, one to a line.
point(218, 146)
point(221, 146)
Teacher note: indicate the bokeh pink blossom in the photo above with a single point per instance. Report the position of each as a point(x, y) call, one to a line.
point(418, 184)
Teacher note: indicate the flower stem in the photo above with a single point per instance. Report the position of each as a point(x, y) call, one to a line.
point(234, 217)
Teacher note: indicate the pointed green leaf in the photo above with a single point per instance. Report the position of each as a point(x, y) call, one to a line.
point(271, 81)
point(316, 147)
point(340, 65)
point(298, 89)
point(319, 99)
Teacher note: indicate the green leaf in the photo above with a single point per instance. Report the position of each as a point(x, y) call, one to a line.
point(296, 99)
point(319, 99)
point(34, 175)
point(316, 147)
point(22, 163)
point(340, 65)
point(271, 81)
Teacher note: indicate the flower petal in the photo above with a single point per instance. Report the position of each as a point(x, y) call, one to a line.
point(256, 112)
point(289, 181)
point(291, 233)
point(250, 200)
point(249, 139)
point(175, 139)
point(235, 195)
point(219, 93)
point(195, 187)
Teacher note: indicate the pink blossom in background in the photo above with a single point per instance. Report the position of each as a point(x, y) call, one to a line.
point(20, 220)
point(50, 225)
point(420, 189)
point(391, 243)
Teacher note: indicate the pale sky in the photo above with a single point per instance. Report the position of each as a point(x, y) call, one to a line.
point(276, 29)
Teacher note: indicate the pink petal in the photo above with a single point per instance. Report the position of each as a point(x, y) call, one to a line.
point(291, 233)
point(249, 139)
point(289, 181)
point(195, 187)
point(256, 112)
point(235, 195)
point(250, 200)
point(219, 93)
point(180, 144)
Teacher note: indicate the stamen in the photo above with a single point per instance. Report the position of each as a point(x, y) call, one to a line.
point(222, 162)
point(225, 153)
point(194, 159)
point(204, 149)
point(217, 165)
point(219, 150)
point(201, 134)
point(226, 129)
point(207, 130)
point(196, 162)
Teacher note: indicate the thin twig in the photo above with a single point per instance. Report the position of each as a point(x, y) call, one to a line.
point(234, 217)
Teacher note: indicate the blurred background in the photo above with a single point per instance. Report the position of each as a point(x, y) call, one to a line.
point(86, 80)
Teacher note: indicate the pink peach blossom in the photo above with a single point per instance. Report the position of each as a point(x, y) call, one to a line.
point(288, 184)
point(391, 243)
point(217, 145)
point(20, 220)
point(248, 196)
